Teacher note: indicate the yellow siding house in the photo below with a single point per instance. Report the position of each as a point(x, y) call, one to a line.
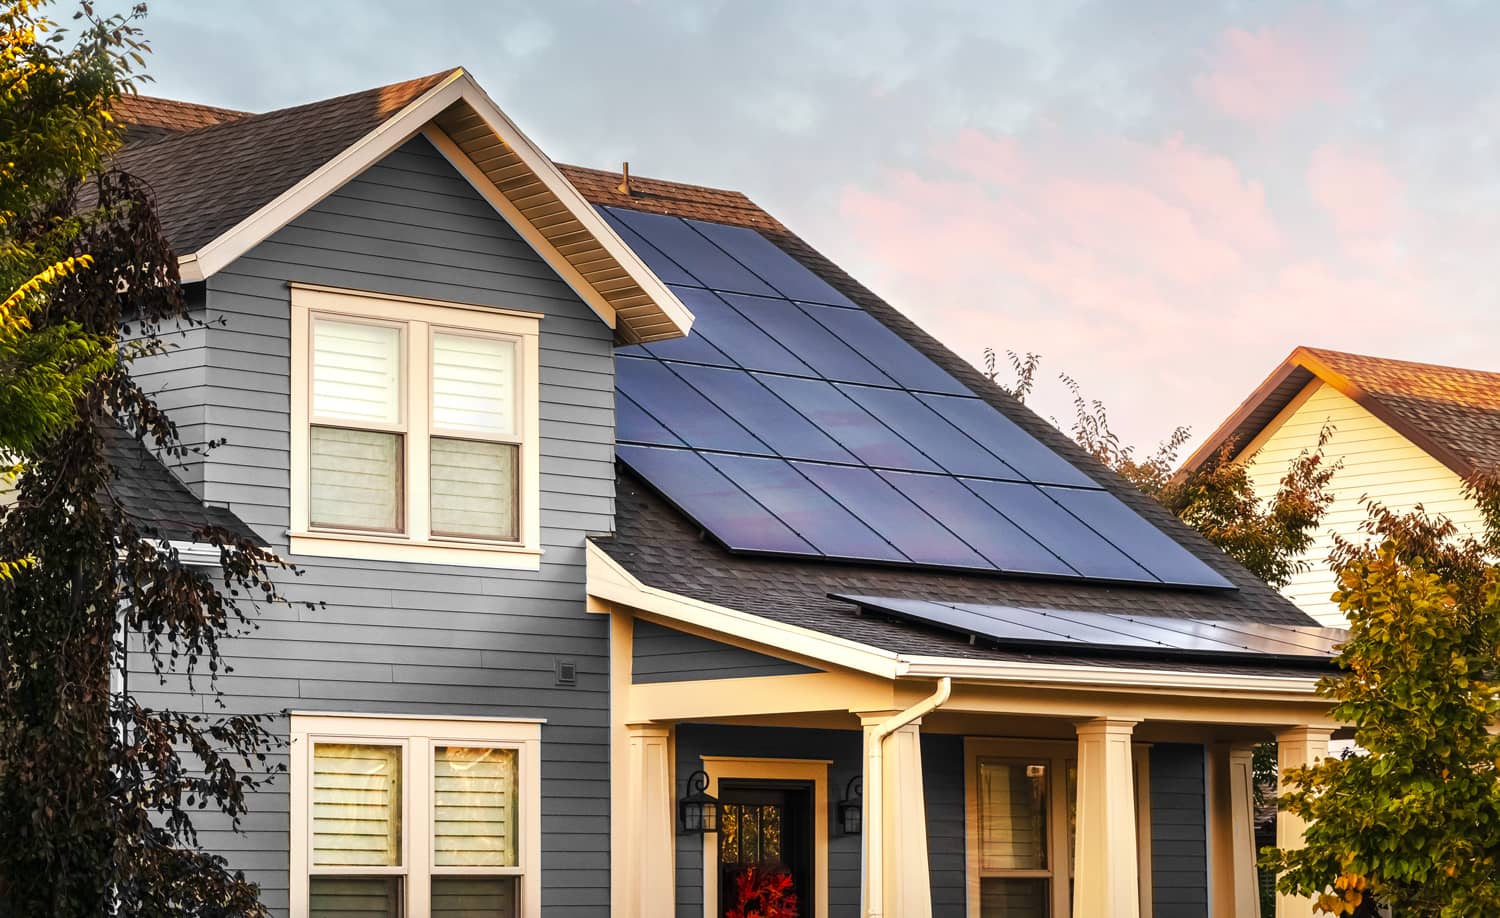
point(1407, 434)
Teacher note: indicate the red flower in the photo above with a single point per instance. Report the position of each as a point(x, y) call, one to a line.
point(763, 894)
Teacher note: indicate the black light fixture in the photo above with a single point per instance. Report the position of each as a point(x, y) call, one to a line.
point(698, 810)
point(851, 808)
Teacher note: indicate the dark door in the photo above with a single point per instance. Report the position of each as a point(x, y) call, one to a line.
point(767, 826)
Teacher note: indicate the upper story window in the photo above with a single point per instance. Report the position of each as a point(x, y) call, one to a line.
point(414, 430)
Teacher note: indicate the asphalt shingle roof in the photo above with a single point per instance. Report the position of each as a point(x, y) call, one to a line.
point(159, 503)
point(1452, 413)
point(652, 540)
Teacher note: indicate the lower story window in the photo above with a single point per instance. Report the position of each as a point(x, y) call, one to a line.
point(409, 818)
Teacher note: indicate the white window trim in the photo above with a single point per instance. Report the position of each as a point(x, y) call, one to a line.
point(1058, 754)
point(416, 544)
point(418, 736)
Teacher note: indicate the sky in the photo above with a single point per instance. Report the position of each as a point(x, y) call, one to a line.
point(1160, 198)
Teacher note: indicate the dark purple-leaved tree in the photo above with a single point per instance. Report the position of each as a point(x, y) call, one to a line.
point(97, 792)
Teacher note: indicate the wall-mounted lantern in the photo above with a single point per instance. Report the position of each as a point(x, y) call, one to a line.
point(851, 808)
point(698, 811)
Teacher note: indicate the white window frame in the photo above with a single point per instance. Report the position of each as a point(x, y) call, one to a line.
point(418, 319)
point(419, 737)
point(1058, 755)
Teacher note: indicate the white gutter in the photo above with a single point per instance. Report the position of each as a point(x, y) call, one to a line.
point(875, 793)
point(1075, 675)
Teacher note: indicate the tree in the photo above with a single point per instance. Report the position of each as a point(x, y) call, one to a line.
point(1269, 537)
point(1411, 817)
point(97, 792)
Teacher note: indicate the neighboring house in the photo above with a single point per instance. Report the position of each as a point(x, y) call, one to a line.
point(1407, 434)
point(616, 493)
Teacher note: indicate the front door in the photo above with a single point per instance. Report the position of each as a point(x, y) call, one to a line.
point(765, 840)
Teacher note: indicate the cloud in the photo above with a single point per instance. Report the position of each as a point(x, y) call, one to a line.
point(1358, 192)
point(1122, 261)
point(1266, 75)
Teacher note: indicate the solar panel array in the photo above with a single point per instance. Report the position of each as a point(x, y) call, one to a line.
point(793, 422)
point(1129, 635)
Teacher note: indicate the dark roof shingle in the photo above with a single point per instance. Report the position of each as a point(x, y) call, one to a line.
point(160, 504)
point(206, 180)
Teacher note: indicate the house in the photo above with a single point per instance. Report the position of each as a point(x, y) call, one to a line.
point(652, 547)
point(1407, 434)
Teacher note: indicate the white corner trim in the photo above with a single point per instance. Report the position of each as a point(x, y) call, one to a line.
point(608, 581)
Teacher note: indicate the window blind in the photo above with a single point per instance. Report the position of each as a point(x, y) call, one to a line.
point(356, 805)
point(1012, 816)
point(474, 807)
point(355, 478)
point(474, 488)
point(473, 897)
point(355, 897)
point(473, 384)
point(356, 372)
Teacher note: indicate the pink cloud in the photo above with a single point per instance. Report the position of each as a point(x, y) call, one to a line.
point(1268, 74)
point(1132, 265)
point(1357, 191)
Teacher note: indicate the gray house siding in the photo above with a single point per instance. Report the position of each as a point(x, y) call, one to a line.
point(666, 655)
point(1179, 832)
point(943, 783)
point(403, 638)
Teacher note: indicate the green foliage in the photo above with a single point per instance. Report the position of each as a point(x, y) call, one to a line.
point(97, 792)
point(1269, 537)
point(1413, 815)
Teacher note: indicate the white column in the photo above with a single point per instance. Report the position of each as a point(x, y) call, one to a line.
point(651, 812)
point(1106, 874)
point(898, 883)
point(1296, 747)
point(1232, 830)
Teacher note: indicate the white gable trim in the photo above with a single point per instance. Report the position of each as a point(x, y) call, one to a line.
point(408, 122)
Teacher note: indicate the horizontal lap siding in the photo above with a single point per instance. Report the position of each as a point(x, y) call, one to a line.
point(666, 655)
point(943, 782)
point(1378, 462)
point(417, 639)
point(1179, 832)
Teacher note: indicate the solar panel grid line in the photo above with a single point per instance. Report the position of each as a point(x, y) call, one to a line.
point(743, 344)
point(1234, 632)
point(643, 376)
point(1057, 625)
point(962, 455)
point(816, 346)
point(763, 258)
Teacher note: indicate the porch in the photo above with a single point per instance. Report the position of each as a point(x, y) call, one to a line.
point(1016, 789)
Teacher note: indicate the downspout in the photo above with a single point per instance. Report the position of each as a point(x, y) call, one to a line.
point(875, 792)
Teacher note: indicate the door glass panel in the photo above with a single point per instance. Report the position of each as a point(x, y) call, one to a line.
point(1003, 897)
point(1012, 815)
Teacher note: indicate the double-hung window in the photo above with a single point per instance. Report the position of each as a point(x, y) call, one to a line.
point(414, 430)
point(408, 818)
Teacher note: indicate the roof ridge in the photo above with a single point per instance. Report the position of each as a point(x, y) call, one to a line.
point(1329, 352)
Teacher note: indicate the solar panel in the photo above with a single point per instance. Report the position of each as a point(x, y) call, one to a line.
point(714, 501)
point(792, 421)
point(805, 509)
point(708, 264)
point(771, 264)
point(885, 510)
point(905, 364)
point(939, 440)
point(810, 342)
point(680, 408)
point(1084, 550)
point(771, 420)
point(1082, 632)
point(1150, 547)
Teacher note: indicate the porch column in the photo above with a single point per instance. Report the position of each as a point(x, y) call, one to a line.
point(1232, 830)
point(1106, 872)
point(895, 843)
point(651, 809)
point(1296, 747)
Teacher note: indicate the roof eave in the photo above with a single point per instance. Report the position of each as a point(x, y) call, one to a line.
point(655, 313)
point(1304, 358)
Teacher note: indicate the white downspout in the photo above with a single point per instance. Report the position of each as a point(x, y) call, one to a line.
point(875, 792)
